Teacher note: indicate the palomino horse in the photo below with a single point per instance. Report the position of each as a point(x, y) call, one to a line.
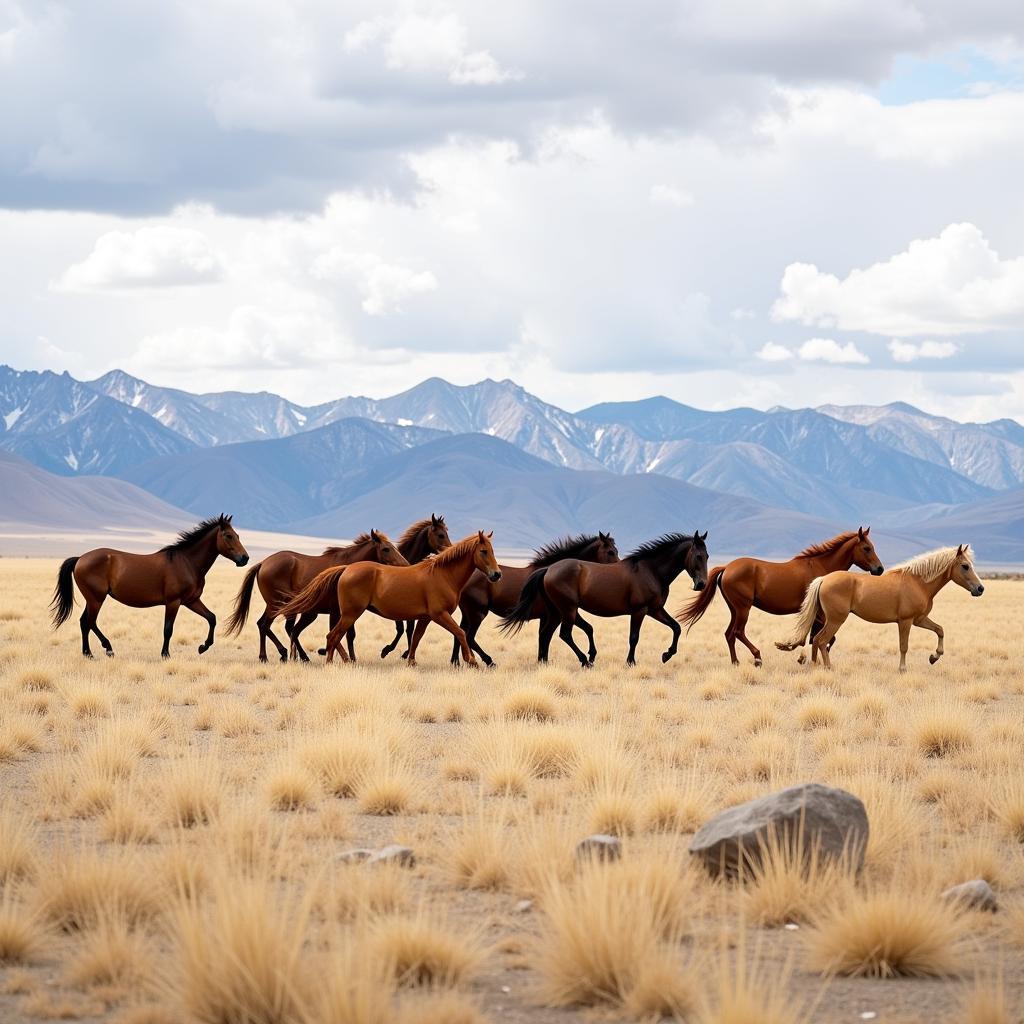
point(173, 576)
point(283, 573)
point(777, 588)
point(427, 592)
point(904, 594)
point(637, 586)
point(480, 596)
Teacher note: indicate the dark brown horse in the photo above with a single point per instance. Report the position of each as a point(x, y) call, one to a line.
point(778, 588)
point(480, 596)
point(637, 586)
point(427, 592)
point(173, 576)
point(285, 572)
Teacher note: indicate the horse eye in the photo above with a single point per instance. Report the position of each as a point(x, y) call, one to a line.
point(964, 567)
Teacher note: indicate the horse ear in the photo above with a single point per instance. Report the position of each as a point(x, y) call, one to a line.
point(867, 530)
point(860, 532)
point(490, 535)
point(959, 551)
point(705, 536)
point(374, 536)
point(433, 519)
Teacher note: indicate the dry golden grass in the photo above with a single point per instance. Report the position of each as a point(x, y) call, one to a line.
point(169, 833)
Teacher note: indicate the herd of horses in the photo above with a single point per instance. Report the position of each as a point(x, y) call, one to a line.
point(425, 578)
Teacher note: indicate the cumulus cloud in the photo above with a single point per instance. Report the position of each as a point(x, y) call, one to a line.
point(909, 352)
point(952, 284)
point(828, 350)
point(384, 286)
point(157, 256)
point(772, 352)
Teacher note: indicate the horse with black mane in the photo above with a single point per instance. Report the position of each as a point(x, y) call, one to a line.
point(636, 586)
point(481, 597)
point(173, 576)
point(283, 573)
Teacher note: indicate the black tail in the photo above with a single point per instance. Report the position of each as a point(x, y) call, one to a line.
point(64, 593)
point(522, 613)
point(241, 610)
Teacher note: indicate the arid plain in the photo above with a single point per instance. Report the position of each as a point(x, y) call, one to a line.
point(170, 832)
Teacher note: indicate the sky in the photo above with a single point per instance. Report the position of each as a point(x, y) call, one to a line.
point(781, 202)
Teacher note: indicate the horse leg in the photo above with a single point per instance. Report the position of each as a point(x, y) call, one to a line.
point(824, 636)
point(663, 616)
point(905, 625)
point(107, 647)
point(565, 633)
point(203, 612)
point(334, 637)
point(588, 632)
point(306, 619)
point(925, 623)
point(350, 641)
point(742, 616)
point(399, 630)
point(445, 620)
point(730, 630)
point(417, 636)
point(85, 625)
point(548, 625)
point(170, 613)
point(264, 623)
point(636, 618)
point(410, 625)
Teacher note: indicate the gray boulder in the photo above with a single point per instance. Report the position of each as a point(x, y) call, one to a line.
point(403, 856)
point(599, 847)
point(976, 894)
point(354, 856)
point(830, 821)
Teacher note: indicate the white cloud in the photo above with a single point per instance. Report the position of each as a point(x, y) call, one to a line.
point(772, 352)
point(384, 286)
point(828, 350)
point(953, 284)
point(156, 256)
point(908, 351)
point(421, 43)
point(670, 195)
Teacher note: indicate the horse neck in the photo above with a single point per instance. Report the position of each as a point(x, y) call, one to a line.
point(932, 587)
point(415, 549)
point(202, 554)
point(665, 572)
point(840, 559)
point(459, 570)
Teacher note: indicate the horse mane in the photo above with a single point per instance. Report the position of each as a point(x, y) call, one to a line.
point(658, 546)
point(826, 547)
point(360, 541)
point(564, 547)
point(410, 534)
point(195, 533)
point(454, 553)
point(930, 564)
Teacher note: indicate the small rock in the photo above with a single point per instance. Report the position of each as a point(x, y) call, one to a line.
point(354, 856)
point(830, 821)
point(506, 989)
point(524, 906)
point(976, 894)
point(600, 847)
point(403, 856)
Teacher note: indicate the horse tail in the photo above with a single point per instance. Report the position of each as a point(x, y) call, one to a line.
point(808, 613)
point(312, 595)
point(241, 610)
point(64, 592)
point(694, 611)
point(520, 614)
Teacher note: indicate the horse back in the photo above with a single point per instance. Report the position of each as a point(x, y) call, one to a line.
point(139, 581)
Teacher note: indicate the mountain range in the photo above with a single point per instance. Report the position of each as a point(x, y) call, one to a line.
point(527, 467)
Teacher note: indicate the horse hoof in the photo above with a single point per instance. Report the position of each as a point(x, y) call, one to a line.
point(284, 659)
point(757, 663)
point(87, 654)
point(802, 660)
point(203, 648)
point(666, 656)
point(492, 664)
point(109, 654)
point(932, 658)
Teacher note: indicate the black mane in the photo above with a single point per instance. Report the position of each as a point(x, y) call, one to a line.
point(658, 547)
point(564, 547)
point(189, 537)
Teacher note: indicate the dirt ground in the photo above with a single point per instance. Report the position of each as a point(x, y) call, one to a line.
point(169, 831)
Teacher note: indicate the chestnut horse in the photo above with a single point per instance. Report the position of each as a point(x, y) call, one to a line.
point(480, 596)
point(173, 576)
point(427, 592)
point(904, 595)
point(637, 586)
point(777, 588)
point(284, 572)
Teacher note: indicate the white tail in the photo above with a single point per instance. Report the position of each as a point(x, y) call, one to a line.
point(808, 613)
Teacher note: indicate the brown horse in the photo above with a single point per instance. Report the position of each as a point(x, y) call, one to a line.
point(283, 573)
point(427, 592)
point(480, 596)
point(637, 586)
point(777, 587)
point(904, 594)
point(173, 576)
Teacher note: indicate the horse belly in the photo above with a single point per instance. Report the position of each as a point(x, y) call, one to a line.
point(399, 598)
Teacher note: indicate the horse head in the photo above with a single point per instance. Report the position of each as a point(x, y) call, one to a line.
point(228, 543)
point(483, 557)
point(864, 554)
point(697, 560)
point(437, 535)
point(384, 551)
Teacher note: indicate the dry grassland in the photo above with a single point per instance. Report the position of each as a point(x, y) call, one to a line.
point(169, 831)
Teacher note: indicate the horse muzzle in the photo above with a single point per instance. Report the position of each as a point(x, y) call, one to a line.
point(494, 576)
point(978, 591)
point(699, 584)
point(878, 570)
point(241, 560)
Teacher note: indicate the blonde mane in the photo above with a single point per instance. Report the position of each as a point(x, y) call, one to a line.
point(454, 553)
point(931, 564)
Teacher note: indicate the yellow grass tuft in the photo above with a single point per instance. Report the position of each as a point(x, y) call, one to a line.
point(531, 703)
point(22, 935)
point(111, 953)
point(425, 950)
point(17, 844)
